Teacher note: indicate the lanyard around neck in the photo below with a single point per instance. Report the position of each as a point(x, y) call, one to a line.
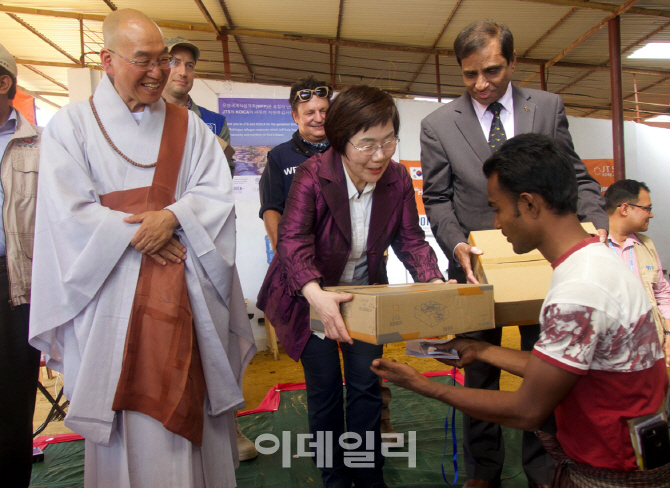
point(630, 254)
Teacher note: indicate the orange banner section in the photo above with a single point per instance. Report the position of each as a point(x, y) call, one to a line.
point(414, 169)
point(25, 104)
point(602, 170)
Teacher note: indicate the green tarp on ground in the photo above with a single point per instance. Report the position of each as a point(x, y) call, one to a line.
point(64, 463)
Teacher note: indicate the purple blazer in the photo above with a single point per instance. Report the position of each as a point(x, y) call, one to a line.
point(315, 241)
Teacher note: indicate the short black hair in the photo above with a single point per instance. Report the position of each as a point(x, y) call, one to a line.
point(309, 83)
point(356, 108)
point(477, 35)
point(535, 163)
point(12, 91)
point(623, 191)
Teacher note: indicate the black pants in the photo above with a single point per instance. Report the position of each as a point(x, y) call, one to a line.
point(19, 367)
point(325, 409)
point(483, 445)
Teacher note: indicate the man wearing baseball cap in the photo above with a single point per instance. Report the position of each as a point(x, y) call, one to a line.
point(19, 362)
point(180, 83)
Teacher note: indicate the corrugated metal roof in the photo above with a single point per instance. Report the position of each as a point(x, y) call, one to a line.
point(267, 57)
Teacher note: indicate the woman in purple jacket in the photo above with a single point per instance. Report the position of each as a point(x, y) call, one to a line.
point(345, 207)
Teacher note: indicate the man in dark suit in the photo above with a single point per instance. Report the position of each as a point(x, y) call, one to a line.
point(455, 141)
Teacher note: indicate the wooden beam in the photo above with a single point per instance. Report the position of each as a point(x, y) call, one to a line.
point(99, 18)
point(45, 76)
point(231, 25)
point(437, 76)
point(82, 58)
point(567, 50)
point(208, 17)
point(54, 64)
point(625, 50)
point(39, 96)
point(336, 54)
point(651, 34)
point(574, 44)
point(437, 39)
point(226, 54)
point(338, 42)
point(110, 4)
point(609, 108)
point(572, 83)
point(616, 96)
point(603, 6)
point(551, 29)
point(417, 50)
point(637, 100)
point(332, 67)
point(43, 37)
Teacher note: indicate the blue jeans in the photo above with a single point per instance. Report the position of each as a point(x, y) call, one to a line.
point(323, 378)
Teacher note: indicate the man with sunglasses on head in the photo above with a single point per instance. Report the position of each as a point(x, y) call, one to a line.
point(309, 99)
point(628, 205)
point(136, 297)
point(180, 83)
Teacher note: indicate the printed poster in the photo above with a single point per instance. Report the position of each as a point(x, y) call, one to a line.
point(256, 126)
point(602, 170)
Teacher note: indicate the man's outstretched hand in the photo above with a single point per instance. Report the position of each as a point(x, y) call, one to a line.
point(400, 374)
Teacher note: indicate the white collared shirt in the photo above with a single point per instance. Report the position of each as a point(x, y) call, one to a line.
point(485, 116)
point(356, 270)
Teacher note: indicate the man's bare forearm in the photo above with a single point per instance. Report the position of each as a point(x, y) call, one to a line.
point(500, 407)
point(511, 360)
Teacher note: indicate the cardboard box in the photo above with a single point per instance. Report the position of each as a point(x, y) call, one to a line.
point(520, 281)
point(380, 314)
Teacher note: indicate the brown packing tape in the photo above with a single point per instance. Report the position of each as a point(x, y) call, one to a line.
point(359, 336)
point(473, 290)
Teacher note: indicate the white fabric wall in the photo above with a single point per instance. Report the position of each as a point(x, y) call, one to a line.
point(647, 160)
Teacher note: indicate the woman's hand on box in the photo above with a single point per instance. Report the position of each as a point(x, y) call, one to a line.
point(327, 305)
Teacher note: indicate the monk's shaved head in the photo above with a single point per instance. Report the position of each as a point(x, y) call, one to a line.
point(123, 28)
point(135, 57)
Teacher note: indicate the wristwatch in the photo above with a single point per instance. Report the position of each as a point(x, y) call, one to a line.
point(666, 332)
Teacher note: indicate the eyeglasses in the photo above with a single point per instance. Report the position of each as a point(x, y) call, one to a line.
point(306, 94)
point(178, 62)
point(164, 62)
point(646, 209)
point(388, 147)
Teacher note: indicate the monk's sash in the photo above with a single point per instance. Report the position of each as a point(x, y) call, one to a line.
point(161, 375)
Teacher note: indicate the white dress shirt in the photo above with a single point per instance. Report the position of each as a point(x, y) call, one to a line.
point(360, 204)
point(485, 116)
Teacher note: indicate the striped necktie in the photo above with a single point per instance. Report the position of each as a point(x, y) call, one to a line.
point(497, 134)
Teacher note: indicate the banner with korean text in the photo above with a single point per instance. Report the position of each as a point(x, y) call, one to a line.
point(256, 126)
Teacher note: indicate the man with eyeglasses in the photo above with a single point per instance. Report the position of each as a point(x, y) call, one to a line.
point(19, 361)
point(629, 210)
point(140, 306)
point(180, 82)
point(309, 99)
point(456, 139)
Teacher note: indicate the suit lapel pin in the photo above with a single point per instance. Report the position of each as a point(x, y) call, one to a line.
point(526, 109)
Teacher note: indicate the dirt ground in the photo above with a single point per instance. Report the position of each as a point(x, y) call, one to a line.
point(264, 372)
